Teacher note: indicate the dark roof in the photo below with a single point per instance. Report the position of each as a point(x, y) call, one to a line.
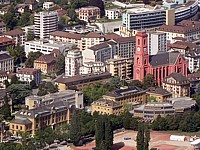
point(67, 35)
point(93, 35)
point(33, 113)
point(48, 58)
point(28, 71)
point(180, 79)
point(110, 103)
point(3, 73)
point(164, 58)
point(30, 1)
point(125, 39)
point(23, 121)
point(194, 76)
point(5, 56)
point(159, 90)
point(111, 36)
point(83, 78)
point(14, 32)
point(183, 45)
point(121, 92)
point(99, 46)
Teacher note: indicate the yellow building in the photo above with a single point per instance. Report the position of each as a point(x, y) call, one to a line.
point(104, 106)
point(29, 121)
point(127, 95)
point(79, 82)
point(47, 63)
point(160, 94)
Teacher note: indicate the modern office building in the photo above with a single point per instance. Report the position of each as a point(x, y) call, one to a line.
point(45, 22)
point(71, 97)
point(157, 42)
point(120, 67)
point(73, 61)
point(46, 46)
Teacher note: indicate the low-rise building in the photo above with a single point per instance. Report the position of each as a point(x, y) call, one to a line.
point(89, 13)
point(121, 67)
point(46, 63)
point(194, 80)
point(22, 8)
point(80, 82)
point(46, 47)
point(108, 107)
point(186, 29)
point(29, 121)
point(80, 40)
point(127, 95)
point(48, 5)
point(71, 97)
point(177, 84)
point(160, 94)
point(92, 67)
point(26, 75)
point(18, 36)
point(112, 13)
point(6, 62)
point(5, 42)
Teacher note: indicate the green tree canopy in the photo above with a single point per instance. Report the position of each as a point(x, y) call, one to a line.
point(31, 57)
point(149, 81)
point(60, 64)
point(46, 88)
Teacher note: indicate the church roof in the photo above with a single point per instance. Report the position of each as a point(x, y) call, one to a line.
point(164, 58)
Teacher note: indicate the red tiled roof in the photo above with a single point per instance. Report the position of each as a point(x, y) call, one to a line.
point(3, 73)
point(28, 71)
point(14, 32)
point(48, 58)
point(5, 39)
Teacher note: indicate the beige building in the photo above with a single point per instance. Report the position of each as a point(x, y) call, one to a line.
point(186, 29)
point(6, 62)
point(160, 94)
point(18, 36)
point(122, 67)
point(177, 84)
point(57, 113)
point(89, 13)
point(108, 107)
point(127, 95)
point(81, 41)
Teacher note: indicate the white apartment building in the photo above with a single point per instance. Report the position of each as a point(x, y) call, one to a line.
point(193, 57)
point(45, 22)
point(73, 61)
point(46, 46)
point(92, 67)
point(185, 29)
point(157, 42)
point(26, 75)
point(6, 62)
point(121, 67)
point(30, 28)
point(48, 5)
point(82, 41)
point(71, 97)
point(113, 13)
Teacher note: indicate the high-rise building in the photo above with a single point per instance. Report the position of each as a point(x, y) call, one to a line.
point(45, 22)
point(157, 42)
point(73, 61)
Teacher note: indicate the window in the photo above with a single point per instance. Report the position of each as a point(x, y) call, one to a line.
point(138, 41)
point(138, 60)
point(144, 41)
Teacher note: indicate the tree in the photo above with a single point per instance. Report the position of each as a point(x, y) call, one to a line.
point(98, 3)
point(127, 120)
point(18, 53)
point(149, 81)
point(72, 14)
point(140, 138)
point(18, 92)
point(136, 83)
point(75, 128)
point(46, 88)
point(31, 57)
point(30, 36)
point(6, 111)
point(108, 133)
point(24, 19)
point(60, 64)
point(116, 83)
point(10, 19)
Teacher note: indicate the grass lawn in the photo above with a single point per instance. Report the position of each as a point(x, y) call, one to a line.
point(182, 133)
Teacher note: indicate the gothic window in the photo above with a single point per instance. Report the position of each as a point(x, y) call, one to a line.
point(179, 60)
point(138, 60)
point(138, 41)
point(145, 61)
point(144, 42)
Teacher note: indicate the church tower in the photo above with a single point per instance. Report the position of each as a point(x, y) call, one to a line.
point(141, 57)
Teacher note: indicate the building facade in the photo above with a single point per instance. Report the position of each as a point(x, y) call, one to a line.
point(6, 62)
point(2, 27)
point(70, 97)
point(121, 67)
point(18, 36)
point(46, 63)
point(112, 13)
point(160, 65)
point(73, 61)
point(26, 75)
point(48, 5)
point(157, 43)
point(108, 107)
point(45, 23)
point(177, 84)
point(89, 13)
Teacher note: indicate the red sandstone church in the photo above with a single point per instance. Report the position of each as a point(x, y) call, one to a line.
point(160, 65)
